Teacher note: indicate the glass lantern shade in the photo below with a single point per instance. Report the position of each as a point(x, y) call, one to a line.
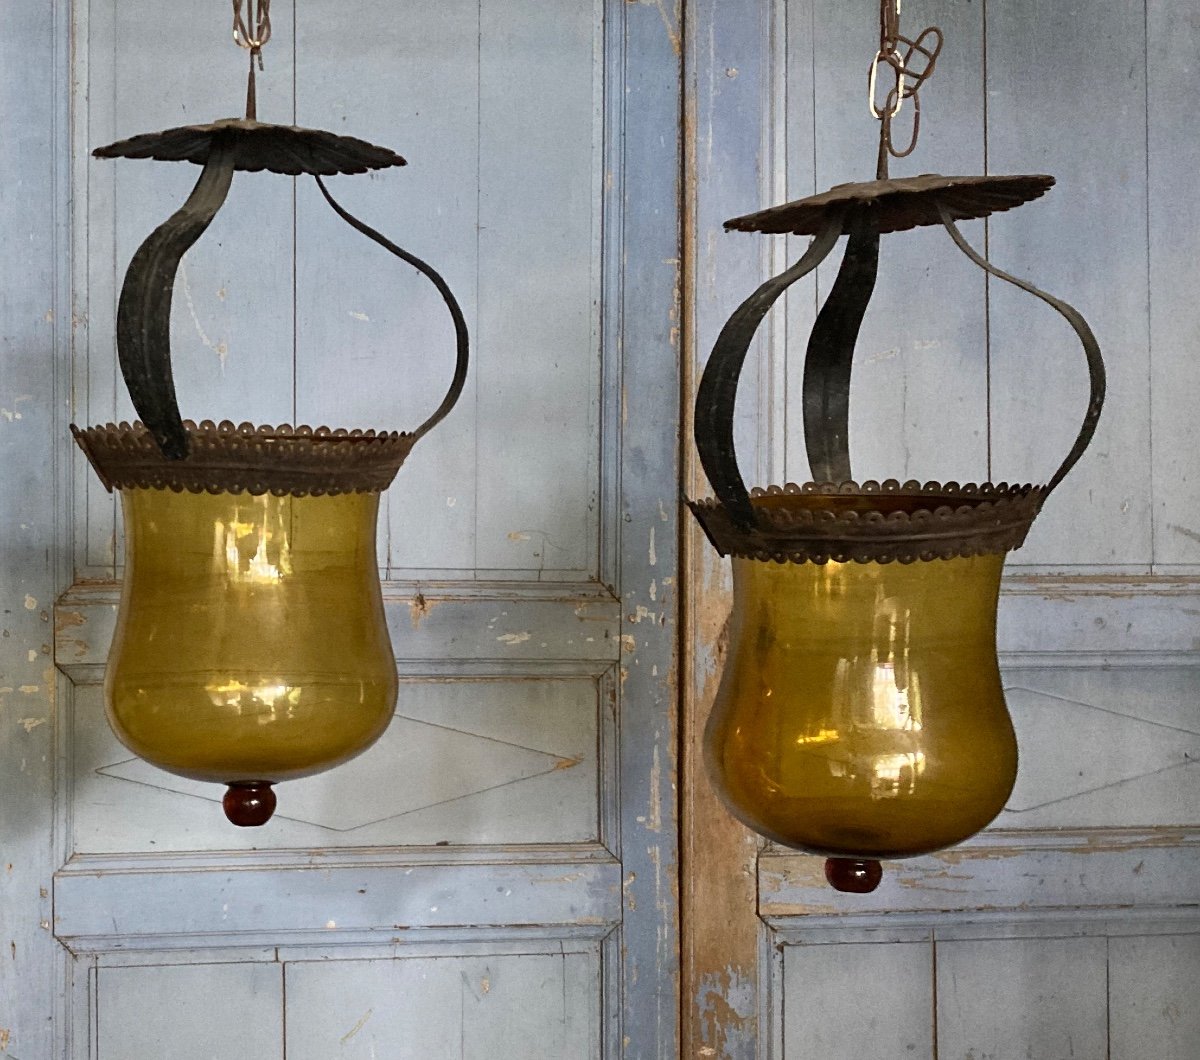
point(250, 646)
point(860, 713)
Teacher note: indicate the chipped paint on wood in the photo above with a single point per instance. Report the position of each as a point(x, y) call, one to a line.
point(725, 1004)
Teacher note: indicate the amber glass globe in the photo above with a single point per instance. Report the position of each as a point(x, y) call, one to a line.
point(250, 645)
point(860, 713)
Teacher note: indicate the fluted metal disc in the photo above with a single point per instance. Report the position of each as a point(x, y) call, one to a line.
point(899, 204)
point(284, 149)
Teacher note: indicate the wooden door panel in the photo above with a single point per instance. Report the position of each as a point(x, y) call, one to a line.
point(842, 1002)
point(919, 407)
point(958, 377)
point(465, 762)
point(1113, 748)
point(284, 314)
point(1012, 999)
point(1100, 516)
point(540, 1006)
point(196, 1012)
point(524, 790)
point(1152, 997)
point(1172, 163)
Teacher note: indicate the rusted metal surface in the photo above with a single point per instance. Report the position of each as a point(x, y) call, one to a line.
point(830, 355)
point(246, 458)
point(926, 526)
point(874, 522)
point(144, 315)
point(899, 204)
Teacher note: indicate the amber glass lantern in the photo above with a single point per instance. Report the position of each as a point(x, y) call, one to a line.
point(860, 714)
point(250, 645)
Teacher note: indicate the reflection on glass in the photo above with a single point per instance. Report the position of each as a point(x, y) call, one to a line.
point(251, 643)
point(861, 713)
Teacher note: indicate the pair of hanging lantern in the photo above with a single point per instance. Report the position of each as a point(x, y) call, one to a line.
point(860, 715)
point(250, 645)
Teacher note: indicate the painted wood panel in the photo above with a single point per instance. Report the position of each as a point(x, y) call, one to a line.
point(1154, 1000)
point(1020, 998)
point(198, 1012)
point(534, 628)
point(843, 1002)
point(1104, 748)
point(283, 313)
point(540, 194)
point(919, 391)
point(1173, 35)
point(164, 903)
point(464, 762)
point(374, 344)
point(1015, 875)
point(34, 327)
point(1101, 515)
point(504, 1006)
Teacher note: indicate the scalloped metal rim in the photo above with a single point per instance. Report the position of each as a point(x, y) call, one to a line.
point(248, 458)
point(994, 519)
point(286, 149)
point(899, 203)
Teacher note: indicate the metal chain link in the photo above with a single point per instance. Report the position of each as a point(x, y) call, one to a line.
point(259, 13)
point(912, 62)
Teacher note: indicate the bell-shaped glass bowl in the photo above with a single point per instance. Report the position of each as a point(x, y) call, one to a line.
point(251, 645)
point(861, 714)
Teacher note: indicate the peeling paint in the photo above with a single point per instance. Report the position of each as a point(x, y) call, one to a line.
point(418, 608)
point(725, 1005)
point(654, 820)
point(30, 603)
point(31, 723)
point(513, 638)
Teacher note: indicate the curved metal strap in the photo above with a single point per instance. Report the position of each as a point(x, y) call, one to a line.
point(717, 393)
point(830, 355)
point(462, 339)
point(1091, 347)
point(144, 308)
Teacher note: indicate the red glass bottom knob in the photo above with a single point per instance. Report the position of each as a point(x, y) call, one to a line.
point(249, 804)
point(852, 875)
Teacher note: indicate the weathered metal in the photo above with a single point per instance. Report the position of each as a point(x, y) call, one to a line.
point(899, 203)
point(277, 461)
point(246, 458)
point(255, 145)
point(933, 521)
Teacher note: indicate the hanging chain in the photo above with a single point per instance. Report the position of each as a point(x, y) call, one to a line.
point(259, 14)
point(911, 63)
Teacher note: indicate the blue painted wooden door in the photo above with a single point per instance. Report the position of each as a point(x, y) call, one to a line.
point(496, 877)
point(1068, 928)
